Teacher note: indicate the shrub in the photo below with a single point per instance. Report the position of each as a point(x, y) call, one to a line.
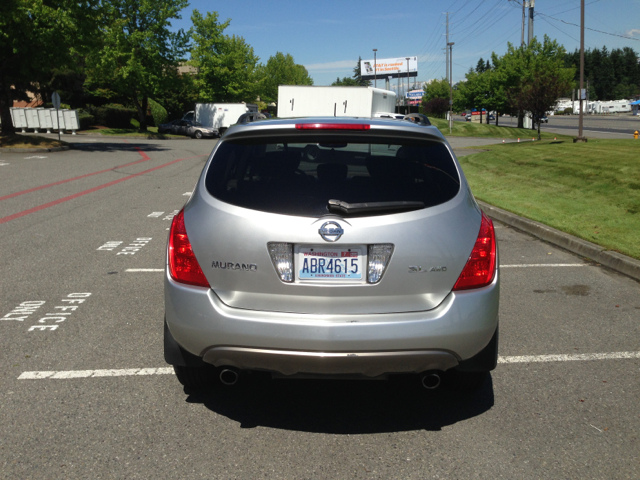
point(114, 116)
point(436, 107)
point(86, 120)
point(568, 111)
point(158, 112)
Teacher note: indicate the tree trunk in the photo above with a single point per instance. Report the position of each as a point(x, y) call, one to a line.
point(142, 112)
point(6, 102)
point(497, 117)
point(520, 120)
point(539, 130)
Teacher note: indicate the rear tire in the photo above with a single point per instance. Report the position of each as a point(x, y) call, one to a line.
point(195, 378)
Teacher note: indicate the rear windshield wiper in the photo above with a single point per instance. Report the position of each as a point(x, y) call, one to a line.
point(370, 207)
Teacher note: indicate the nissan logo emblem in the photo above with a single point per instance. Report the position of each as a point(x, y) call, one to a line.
point(331, 231)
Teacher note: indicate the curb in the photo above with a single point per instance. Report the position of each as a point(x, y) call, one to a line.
point(614, 260)
point(35, 150)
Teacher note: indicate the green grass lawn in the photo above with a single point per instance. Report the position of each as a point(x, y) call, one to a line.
point(590, 190)
point(470, 129)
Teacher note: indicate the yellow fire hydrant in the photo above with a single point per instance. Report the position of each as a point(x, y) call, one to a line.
point(635, 134)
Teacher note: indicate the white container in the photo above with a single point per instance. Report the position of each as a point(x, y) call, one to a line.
point(19, 118)
point(44, 116)
point(61, 124)
point(71, 120)
point(32, 119)
point(57, 120)
point(309, 101)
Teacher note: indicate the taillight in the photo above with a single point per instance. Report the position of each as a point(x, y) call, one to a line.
point(183, 266)
point(332, 126)
point(481, 266)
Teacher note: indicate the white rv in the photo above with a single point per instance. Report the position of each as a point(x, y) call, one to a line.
point(219, 116)
point(310, 101)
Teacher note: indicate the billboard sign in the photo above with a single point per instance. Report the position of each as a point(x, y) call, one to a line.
point(389, 67)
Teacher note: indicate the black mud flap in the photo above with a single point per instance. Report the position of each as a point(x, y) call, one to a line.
point(174, 354)
point(483, 361)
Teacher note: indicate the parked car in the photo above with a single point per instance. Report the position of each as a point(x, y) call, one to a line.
point(467, 117)
point(367, 260)
point(188, 128)
point(544, 119)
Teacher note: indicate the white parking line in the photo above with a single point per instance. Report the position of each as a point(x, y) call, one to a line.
point(569, 358)
point(528, 265)
point(125, 372)
point(144, 270)
point(95, 373)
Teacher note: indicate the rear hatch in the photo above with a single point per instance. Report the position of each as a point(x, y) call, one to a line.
point(329, 222)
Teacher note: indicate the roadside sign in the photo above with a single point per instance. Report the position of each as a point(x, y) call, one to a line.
point(55, 99)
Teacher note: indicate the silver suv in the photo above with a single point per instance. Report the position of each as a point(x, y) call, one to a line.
point(332, 248)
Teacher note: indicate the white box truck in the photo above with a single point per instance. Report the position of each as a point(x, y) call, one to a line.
point(219, 115)
point(309, 101)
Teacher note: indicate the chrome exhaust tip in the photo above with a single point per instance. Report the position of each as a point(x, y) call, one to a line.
point(229, 376)
point(430, 380)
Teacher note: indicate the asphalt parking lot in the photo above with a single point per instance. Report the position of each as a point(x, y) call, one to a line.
point(86, 392)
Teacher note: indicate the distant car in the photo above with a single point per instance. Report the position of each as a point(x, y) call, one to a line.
point(544, 119)
point(463, 114)
point(166, 127)
point(492, 117)
point(468, 117)
point(367, 259)
point(188, 128)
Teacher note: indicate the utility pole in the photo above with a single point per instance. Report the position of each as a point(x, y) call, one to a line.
point(375, 69)
point(450, 45)
point(531, 4)
point(580, 138)
point(446, 50)
point(524, 3)
point(407, 99)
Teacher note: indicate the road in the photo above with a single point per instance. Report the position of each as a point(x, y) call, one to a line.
point(86, 392)
point(597, 126)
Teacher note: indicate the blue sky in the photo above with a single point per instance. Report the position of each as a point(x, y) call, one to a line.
point(327, 36)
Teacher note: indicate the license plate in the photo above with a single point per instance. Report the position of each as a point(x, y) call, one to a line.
point(331, 264)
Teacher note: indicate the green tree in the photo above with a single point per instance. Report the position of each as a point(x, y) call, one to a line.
point(357, 75)
point(281, 69)
point(440, 89)
point(523, 65)
point(139, 52)
point(346, 82)
point(37, 37)
point(227, 66)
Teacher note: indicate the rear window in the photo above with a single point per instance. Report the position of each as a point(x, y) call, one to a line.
point(300, 177)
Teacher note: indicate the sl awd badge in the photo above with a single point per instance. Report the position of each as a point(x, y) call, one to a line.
point(418, 269)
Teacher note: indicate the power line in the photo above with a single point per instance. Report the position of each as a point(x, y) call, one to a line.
point(592, 29)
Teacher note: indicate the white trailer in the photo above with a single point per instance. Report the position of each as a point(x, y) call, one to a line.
point(219, 115)
point(309, 101)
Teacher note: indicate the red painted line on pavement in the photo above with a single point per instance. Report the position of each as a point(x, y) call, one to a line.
point(145, 157)
point(85, 192)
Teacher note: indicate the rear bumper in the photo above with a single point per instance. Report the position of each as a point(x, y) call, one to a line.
point(459, 328)
point(370, 364)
